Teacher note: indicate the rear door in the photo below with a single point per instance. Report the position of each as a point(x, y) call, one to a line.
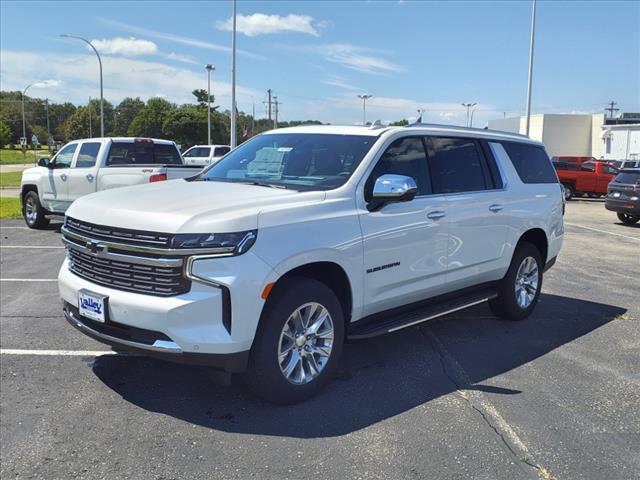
point(604, 174)
point(197, 156)
point(83, 174)
point(55, 191)
point(586, 181)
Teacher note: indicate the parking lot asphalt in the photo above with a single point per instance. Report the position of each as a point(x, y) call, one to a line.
point(464, 396)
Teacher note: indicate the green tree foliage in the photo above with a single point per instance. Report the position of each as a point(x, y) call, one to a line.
point(77, 125)
point(201, 98)
point(5, 134)
point(186, 125)
point(148, 122)
point(125, 112)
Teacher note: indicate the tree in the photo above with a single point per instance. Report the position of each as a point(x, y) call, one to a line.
point(109, 115)
point(201, 98)
point(125, 112)
point(400, 123)
point(148, 122)
point(5, 134)
point(186, 125)
point(77, 125)
point(58, 115)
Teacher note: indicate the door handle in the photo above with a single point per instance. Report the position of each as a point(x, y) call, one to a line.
point(495, 208)
point(63, 177)
point(435, 215)
point(90, 177)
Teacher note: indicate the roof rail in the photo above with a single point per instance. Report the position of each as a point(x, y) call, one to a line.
point(458, 127)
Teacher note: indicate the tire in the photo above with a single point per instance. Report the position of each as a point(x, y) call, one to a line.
point(568, 192)
point(32, 211)
point(265, 376)
point(507, 304)
point(628, 219)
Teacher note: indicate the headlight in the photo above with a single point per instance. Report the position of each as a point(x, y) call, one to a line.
point(633, 199)
point(236, 243)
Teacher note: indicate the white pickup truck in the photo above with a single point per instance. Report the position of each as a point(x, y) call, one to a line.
point(205, 154)
point(303, 237)
point(87, 166)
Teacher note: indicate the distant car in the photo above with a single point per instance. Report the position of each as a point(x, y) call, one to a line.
point(572, 159)
point(205, 154)
point(589, 177)
point(623, 196)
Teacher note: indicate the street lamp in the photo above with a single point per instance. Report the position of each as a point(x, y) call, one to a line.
point(533, 30)
point(364, 98)
point(209, 68)
point(24, 92)
point(66, 35)
point(468, 106)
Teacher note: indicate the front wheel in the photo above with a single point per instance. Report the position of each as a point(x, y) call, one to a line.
point(32, 211)
point(628, 219)
point(519, 290)
point(298, 343)
point(568, 192)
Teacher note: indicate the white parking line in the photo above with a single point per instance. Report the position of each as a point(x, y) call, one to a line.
point(31, 246)
point(28, 279)
point(15, 228)
point(602, 231)
point(61, 353)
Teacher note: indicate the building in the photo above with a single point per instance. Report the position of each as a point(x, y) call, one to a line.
point(622, 141)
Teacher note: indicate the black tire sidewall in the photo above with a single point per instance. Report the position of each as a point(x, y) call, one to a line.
point(264, 375)
point(570, 192)
point(506, 305)
point(628, 219)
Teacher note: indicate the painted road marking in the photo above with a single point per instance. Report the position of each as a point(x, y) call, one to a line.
point(62, 353)
point(602, 231)
point(28, 279)
point(31, 246)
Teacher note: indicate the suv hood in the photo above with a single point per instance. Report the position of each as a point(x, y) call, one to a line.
point(178, 206)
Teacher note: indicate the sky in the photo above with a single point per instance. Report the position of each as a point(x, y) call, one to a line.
point(317, 56)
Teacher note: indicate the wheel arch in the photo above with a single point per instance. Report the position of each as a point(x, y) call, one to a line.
point(26, 188)
point(538, 238)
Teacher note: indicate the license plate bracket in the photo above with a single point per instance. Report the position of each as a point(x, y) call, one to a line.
point(93, 306)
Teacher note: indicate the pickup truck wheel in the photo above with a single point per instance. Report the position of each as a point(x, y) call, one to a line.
point(32, 211)
point(628, 219)
point(519, 290)
point(568, 192)
point(298, 343)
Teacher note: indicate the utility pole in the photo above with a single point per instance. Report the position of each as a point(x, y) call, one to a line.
point(209, 68)
point(268, 103)
point(253, 114)
point(46, 109)
point(468, 106)
point(233, 81)
point(364, 97)
point(89, 110)
point(533, 31)
point(276, 103)
point(611, 109)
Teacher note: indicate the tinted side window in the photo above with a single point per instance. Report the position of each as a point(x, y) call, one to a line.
point(456, 165)
point(405, 156)
point(143, 154)
point(609, 170)
point(531, 162)
point(166, 155)
point(88, 154)
point(198, 152)
point(220, 151)
point(588, 167)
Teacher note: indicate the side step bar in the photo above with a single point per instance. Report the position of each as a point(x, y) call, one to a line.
point(381, 324)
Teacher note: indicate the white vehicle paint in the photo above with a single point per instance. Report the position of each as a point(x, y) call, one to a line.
point(205, 154)
point(86, 166)
point(373, 219)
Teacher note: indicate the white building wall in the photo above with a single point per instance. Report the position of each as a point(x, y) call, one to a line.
point(625, 142)
point(567, 134)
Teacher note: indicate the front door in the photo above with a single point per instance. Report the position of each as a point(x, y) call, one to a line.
point(83, 176)
point(55, 189)
point(405, 244)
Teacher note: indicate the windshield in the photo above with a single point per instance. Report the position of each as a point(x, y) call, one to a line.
point(628, 177)
point(301, 161)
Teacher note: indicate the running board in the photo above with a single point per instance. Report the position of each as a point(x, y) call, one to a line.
point(392, 322)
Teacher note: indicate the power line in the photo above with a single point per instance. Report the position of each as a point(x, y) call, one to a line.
point(611, 108)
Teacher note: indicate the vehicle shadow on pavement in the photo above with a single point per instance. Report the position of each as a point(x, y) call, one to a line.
point(377, 379)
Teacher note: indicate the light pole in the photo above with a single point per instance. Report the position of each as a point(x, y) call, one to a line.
point(364, 97)
point(209, 68)
point(468, 106)
point(66, 35)
point(471, 120)
point(533, 29)
point(233, 80)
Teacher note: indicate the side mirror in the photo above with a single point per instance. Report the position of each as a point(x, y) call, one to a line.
point(392, 188)
point(43, 162)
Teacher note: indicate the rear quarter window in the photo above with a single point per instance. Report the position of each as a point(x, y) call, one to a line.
point(143, 154)
point(531, 162)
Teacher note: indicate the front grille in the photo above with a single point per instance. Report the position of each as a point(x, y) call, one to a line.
point(623, 195)
point(163, 281)
point(118, 235)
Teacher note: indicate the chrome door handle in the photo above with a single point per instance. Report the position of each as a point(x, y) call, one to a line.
point(435, 215)
point(495, 208)
point(63, 177)
point(90, 177)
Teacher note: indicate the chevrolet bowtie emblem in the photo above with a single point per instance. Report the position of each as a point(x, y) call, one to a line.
point(96, 247)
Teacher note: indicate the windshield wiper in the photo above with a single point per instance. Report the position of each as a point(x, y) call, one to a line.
point(262, 184)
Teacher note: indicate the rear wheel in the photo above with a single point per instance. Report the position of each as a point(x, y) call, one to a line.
point(628, 219)
point(32, 211)
point(519, 290)
point(568, 191)
point(298, 343)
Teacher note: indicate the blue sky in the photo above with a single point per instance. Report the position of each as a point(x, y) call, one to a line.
point(317, 56)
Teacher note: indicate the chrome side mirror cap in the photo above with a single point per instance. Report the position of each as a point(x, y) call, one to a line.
point(392, 188)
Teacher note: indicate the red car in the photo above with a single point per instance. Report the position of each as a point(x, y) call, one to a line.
point(588, 177)
point(572, 159)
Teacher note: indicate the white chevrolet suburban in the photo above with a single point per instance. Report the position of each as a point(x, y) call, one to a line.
point(304, 237)
point(205, 154)
point(86, 166)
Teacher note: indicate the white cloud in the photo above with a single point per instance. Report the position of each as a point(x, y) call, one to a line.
point(340, 83)
point(123, 77)
point(46, 84)
point(128, 47)
point(181, 58)
point(262, 24)
point(358, 58)
point(170, 37)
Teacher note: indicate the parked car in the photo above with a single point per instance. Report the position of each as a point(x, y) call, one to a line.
point(590, 177)
point(623, 196)
point(572, 159)
point(303, 237)
point(86, 166)
point(205, 154)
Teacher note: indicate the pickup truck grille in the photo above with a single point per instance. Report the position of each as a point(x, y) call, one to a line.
point(161, 281)
point(118, 235)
